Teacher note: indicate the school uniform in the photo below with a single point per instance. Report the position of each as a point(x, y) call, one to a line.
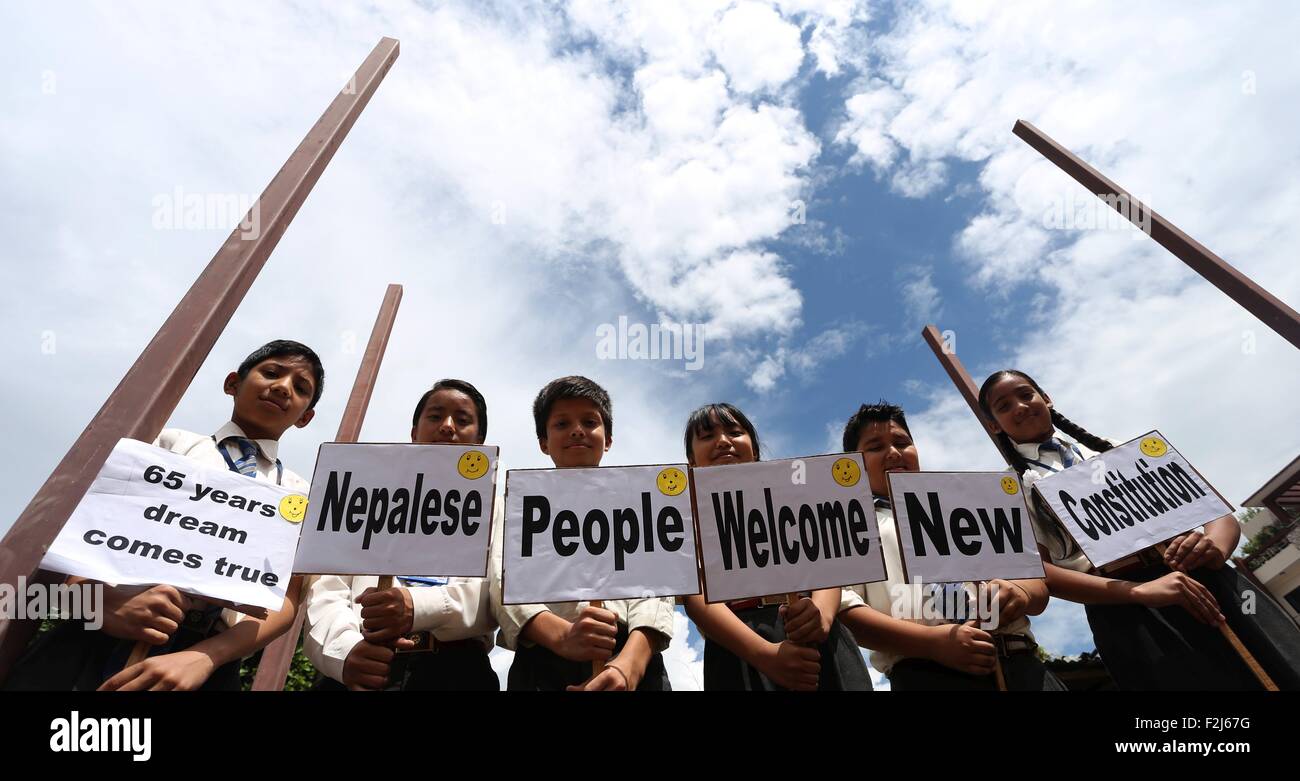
point(1167, 649)
point(1015, 644)
point(69, 656)
point(537, 668)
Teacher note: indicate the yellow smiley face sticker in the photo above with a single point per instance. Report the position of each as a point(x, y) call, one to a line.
point(671, 481)
point(1153, 446)
point(472, 465)
point(1010, 486)
point(293, 508)
point(846, 472)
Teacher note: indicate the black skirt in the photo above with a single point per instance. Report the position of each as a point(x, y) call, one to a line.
point(536, 668)
point(842, 666)
point(458, 669)
point(70, 657)
point(1022, 673)
point(1166, 649)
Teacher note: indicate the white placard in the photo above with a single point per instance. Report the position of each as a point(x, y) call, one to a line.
point(152, 516)
point(774, 527)
point(602, 533)
point(1131, 497)
point(963, 526)
point(399, 509)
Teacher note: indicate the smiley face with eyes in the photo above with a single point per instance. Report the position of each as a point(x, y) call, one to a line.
point(671, 481)
point(293, 508)
point(1010, 486)
point(472, 465)
point(846, 472)
point(1153, 446)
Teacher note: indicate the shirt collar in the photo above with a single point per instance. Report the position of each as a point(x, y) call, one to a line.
point(1030, 449)
point(270, 448)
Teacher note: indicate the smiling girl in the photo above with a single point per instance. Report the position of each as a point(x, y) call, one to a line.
point(760, 644)
point(1155, 622)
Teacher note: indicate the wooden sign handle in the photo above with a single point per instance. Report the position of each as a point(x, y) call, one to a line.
point(596, 665)
point(138, 653)
point(385, 582)
point(1235, 642)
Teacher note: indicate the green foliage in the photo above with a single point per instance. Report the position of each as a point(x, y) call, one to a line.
point(302, 675)
point(1261, 537)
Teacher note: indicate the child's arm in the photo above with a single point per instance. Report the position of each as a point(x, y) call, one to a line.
point(809, 621)
point(1176, 588)
point(623, 672)
point(788, 664)
point(1018, 598)
point(963, 647)
point(188, 669)
point(590, 638)
point(1211, 549)
point(148, 616)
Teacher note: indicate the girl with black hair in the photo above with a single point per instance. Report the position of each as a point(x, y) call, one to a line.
point(761, 644)
point(1155, 622)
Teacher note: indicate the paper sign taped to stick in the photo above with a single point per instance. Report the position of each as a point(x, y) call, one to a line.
point(960, 526)
point(152, 516)
point(601, 533)
point(399, 509)
point(774, 527)
point(1131, 497)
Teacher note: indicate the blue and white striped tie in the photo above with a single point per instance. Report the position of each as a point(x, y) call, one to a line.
point(1063, 450)
point(247, 463)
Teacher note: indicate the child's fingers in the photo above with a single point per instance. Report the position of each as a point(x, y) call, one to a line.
point(142, 680)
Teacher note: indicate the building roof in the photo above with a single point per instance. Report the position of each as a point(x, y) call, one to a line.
point(1283, 488)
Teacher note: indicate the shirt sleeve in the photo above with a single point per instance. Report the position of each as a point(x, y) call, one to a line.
point(511, 618)
point(656, 613)
point(333, 626)
point(457, 611)
point(850, 598)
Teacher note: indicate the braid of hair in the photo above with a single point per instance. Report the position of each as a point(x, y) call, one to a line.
point(1080, 434)
point(1014, 459)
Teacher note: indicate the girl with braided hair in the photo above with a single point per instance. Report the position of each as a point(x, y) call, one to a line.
point(1155, 623)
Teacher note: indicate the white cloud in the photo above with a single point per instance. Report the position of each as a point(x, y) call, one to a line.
point(921, 298)
point(758, 49)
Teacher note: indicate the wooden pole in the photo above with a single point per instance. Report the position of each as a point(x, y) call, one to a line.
point(152, 387)
point(968, 390)
point(596, 666)
point(1239, 287)
point(273, 670)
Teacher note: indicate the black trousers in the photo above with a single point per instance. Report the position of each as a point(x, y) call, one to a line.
point(70, 657)
point(1166, 649)
point(1022, 672)
point(539, 669)
point(843, 668)
point(458, 669)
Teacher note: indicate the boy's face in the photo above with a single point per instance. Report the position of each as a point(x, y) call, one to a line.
point(725, 443)
point(886, 447)
point(575, 434)
point(273, 397)
point(448, 417)
point(1020, 410)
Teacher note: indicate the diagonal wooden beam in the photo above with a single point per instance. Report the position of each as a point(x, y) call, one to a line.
point(276, 658)
point(1239, 287)
point(149, 392)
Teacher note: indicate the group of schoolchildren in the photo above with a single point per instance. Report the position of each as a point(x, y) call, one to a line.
point(1155, 620)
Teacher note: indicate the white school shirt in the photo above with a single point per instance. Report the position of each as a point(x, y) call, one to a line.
point(203, 448)
point(880, 595)
point(655, 613)
point(459, 610)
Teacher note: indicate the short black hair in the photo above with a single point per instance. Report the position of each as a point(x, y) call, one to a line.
point(286, 348)
point(572, 387)
point(872, 413)
point(480, 404)
point(701, 422)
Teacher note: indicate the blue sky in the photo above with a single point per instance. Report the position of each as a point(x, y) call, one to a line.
point(530, 172)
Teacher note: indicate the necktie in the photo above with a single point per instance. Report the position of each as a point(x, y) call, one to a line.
point(247, 463)
point(1063, 450)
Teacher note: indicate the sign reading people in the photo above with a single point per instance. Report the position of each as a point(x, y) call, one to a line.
point(1131, 497)
point(600, 533)
point(775, 527)
point(152, 516)
point(963, 526)
point(383, 509)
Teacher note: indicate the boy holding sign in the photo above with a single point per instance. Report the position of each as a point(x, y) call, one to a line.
point(925, 651)
point(195, 645)
point(428, 634)
point(1156, 629)
point(757, 643)
point(555, 644)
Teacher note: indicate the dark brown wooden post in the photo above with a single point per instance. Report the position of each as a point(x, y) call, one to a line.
point(276, 658)
point(144, 399)
point(1241, 288)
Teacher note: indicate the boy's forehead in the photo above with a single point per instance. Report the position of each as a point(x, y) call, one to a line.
point(573, 405)
point(295, 363)
point(879, 429)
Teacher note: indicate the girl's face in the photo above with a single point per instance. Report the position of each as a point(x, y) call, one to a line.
point(886, 447)
point(448, 417)
point(724, 443)
point(1020, 410)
